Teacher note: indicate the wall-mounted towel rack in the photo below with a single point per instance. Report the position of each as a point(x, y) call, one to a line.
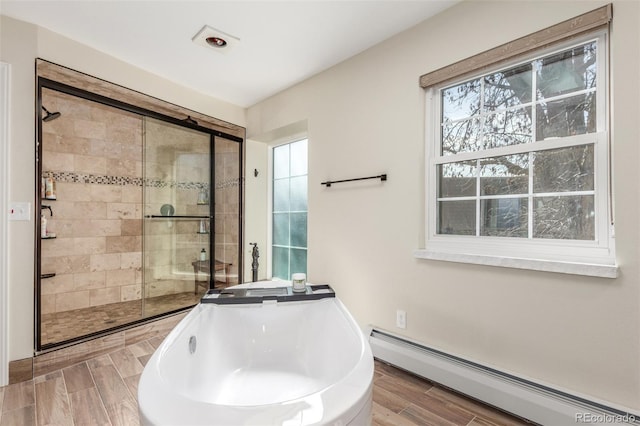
point(330, 182)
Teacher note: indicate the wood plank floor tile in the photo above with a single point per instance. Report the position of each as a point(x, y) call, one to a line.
point(52, 402)
point(423, 417)
point(1, 399)
point(19, 395)
point(141, 349)
point(132, 385)
point(405, 390)
point(78, 377)
point(126, 363)
point(389, 400)
point(87, 408)
point(21, 416)
point(120, 405)
point(382, 416)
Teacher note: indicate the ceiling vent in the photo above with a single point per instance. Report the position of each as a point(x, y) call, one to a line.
point(215, 39)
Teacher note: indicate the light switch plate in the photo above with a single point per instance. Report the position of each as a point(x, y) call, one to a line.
point(19, 211)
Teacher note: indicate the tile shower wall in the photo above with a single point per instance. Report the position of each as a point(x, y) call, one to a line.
point(94, 153)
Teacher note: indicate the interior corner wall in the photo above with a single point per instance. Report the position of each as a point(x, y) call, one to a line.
point(22, 153)
point(366, 117)
point(21, 44)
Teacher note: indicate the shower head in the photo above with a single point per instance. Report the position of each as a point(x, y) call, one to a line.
point(50, 115)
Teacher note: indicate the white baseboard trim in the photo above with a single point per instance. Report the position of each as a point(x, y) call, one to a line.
point(534, 402)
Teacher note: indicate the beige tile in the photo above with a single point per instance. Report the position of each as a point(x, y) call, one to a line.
point(130, 292)
point(89, 245)
point(55, 161)
point(74, 300)
point(67, 191)
point(89, 129)
point(65, 264)
point(124, 244)
point(106, 193)
point(131, 194)
point(131, 227)
point(104, 296)
point(120, 277)
point(105, 262)
point(90, 164)
point(131, 260)
point(123, 211)
point(89, 280)
point(62, 283)
point(122, 167)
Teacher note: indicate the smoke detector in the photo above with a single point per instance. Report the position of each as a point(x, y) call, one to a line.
point(215, 39)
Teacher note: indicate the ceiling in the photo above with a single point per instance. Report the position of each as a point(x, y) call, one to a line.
point(280, 42)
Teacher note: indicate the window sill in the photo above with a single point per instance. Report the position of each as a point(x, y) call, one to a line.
point(587, 269)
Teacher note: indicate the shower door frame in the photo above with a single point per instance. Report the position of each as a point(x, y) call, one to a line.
point(44, 82)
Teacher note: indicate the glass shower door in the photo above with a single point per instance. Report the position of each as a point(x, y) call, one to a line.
point(177, 242)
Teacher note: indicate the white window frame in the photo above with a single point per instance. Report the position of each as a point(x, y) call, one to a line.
point(594, 258)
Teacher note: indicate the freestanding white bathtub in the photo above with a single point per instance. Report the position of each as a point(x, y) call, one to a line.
point(271, 363)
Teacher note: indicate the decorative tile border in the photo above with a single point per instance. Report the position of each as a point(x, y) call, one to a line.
point(73, 177)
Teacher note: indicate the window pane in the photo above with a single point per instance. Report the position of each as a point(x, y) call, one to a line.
point(461, 136)
point(461, 101)
point(571, 116)
point(504, 217)
point(566, 72)
point(508, 88)
point(508, 174)
point(281, 263)
point(298, 261)
point(281, 195)
point(457, 217)
point(299, 193)
point(566, 169)
point(457, 179)
point(299, 229)
point(299, 158)
point(567, 218)
point(281, 161)
point(506, 128)
point(281, 229)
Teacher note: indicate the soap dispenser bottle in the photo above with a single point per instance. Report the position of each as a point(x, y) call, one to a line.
point(203, 254)
point(43, 226)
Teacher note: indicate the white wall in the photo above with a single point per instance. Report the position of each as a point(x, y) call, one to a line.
point(366, 117)
point(255, 207)
point(21, 44)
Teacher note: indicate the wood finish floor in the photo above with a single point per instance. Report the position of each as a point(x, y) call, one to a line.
point(103, 391)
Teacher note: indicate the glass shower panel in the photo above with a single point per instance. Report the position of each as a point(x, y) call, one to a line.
point(228, 205)
point(177, 216)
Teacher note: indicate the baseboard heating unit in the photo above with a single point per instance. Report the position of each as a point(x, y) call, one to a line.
point(532, 401)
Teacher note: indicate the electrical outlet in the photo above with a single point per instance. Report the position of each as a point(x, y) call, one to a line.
point(401, 319)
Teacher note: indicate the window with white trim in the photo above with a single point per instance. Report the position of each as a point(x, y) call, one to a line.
point(518, 162)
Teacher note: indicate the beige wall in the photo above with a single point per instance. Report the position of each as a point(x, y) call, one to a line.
point(21, 43)
point(366, 116)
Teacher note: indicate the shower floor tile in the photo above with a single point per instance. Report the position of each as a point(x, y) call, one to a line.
point(62, 326)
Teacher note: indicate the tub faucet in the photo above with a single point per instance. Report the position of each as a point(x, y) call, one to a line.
point(255, 254)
